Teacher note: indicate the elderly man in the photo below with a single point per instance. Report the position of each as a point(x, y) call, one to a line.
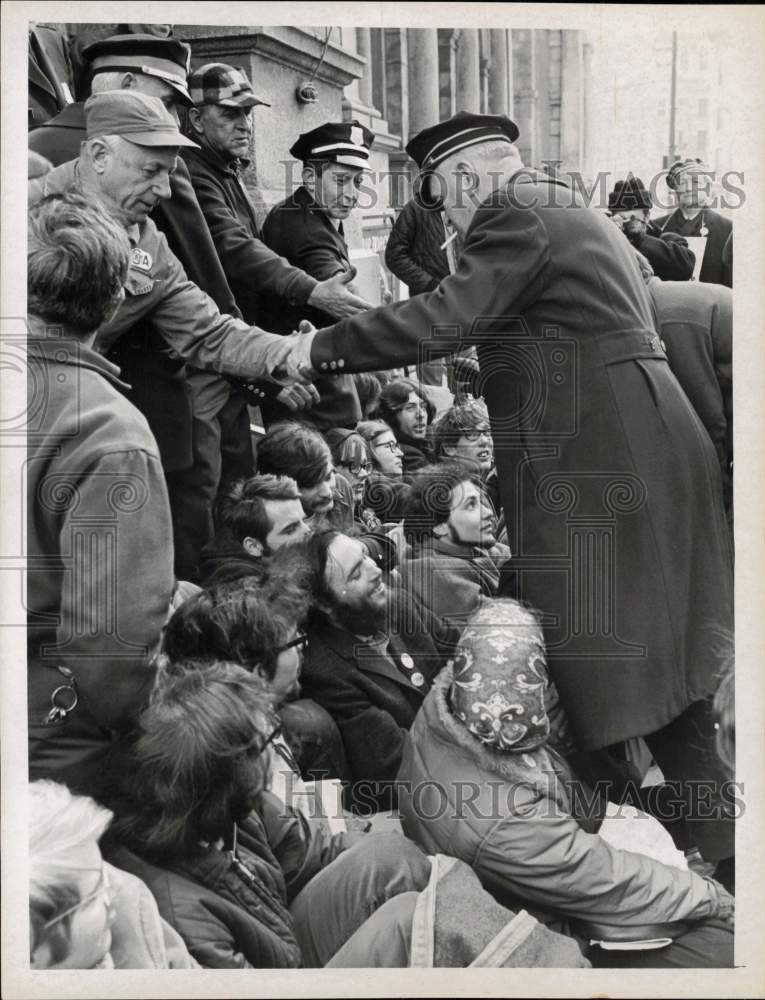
point(126, 164)
point(610, 485)
point(100, 555)
point(307, 229)
point(710, 234)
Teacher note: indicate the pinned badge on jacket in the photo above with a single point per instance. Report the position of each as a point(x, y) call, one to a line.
point(141, 259)
point(407, 661)
point(417, 679)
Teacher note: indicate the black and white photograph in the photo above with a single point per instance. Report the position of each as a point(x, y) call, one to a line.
point(380, 596)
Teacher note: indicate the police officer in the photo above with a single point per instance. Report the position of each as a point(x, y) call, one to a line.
point(589, 426)
point(307, 229)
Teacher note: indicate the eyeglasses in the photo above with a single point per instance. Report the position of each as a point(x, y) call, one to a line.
point(479, 432)
point(356, 467)
point(299, 640)
point(393, 446)
point(103, 887)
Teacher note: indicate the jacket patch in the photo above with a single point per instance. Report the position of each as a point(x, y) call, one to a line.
point(141, 259)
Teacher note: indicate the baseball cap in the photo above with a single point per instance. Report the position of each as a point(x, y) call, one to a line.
point(219, 83)
point(136, 117)
point(167, 59)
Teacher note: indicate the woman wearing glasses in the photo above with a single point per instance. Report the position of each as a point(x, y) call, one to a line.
point(385, 489)
point(244, 879)
point(353, 461)
point(464, 433)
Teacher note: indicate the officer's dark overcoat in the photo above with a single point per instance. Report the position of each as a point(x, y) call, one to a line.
point(609, 482)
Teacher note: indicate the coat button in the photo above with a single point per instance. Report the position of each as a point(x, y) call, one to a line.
point(333, 365)
point(324, 365)
point(341, 363)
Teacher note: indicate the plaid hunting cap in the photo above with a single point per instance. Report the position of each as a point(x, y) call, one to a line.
point(136, 117)
point(218, 83)
point(429, 147)
point(336, 142)
point(167, 59)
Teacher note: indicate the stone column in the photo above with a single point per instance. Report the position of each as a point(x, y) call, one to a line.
point(364, 48)
point(422, 44)
point(468, 71)
point(499, 75)
point(572, 101)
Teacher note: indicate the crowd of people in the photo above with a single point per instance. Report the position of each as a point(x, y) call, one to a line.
point(483, 622)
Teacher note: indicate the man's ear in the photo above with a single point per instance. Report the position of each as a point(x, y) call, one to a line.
point(98, 152)
point(128, 82)
point(195, 119)
point(309, 178)
point(253, 547)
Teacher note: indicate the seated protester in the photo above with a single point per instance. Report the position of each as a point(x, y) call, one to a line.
point(91, 631)
point(245, 880)
point(484, 726)
point(454, 560)
point(299, 451)
point(83, 913)
point(368, 388)
point(254, 517)
point(629, 205)
point(371, 657)
point(463, 432)
point(385, 488)
point(405, 407)
point(352, 459)
point(257, 622)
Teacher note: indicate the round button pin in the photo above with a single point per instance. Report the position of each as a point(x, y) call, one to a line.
point(417, 679)
point(407, 661)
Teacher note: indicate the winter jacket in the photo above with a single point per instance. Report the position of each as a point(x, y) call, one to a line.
point(182, 316)
point(252, 269)
point(413, 251)
point(452, 579)
point(696, 325)
point(226, 920)
point(416, 453)
point(99, 549)
point(374, 698)
point(304, 235)
point(668, 254)
point(455, 797)
point(714, 267)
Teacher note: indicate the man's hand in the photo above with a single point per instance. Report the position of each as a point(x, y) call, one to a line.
point(297, 365)
point(333, 296)
point(298, 397)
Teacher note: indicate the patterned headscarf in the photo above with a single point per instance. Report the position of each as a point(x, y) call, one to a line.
point(500, 676)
